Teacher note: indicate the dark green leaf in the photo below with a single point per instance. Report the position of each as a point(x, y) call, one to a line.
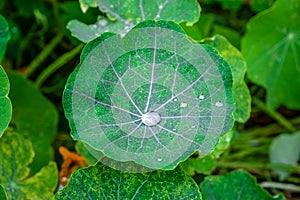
point(124, 15)
point(285, 150)
point(15, 154)
point(3, 195)
point(238, 184)
point(101, 182)
point(5, 104)
point(238, 65)
point(35, 117)
point(153, 98)
point(260, 5)
point(271, 47)
point(4, 35)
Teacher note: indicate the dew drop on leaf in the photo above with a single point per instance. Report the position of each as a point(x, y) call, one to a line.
point(219, 104)
point(201, 97)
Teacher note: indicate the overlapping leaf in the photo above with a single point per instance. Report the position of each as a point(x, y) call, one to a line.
point(15, 154)
point(123, 15)
point(101, 182)
point(238, 65)
point(35, 117)
point(271, 47)
point(6, 108)
point(152, 97)
point(236, 185)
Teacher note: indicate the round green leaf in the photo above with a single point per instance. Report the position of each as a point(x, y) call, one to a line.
point(152, 97)
point(6, 108)
point(237, 185)
point(124, 15)
point(271, 47)
point(102, 182)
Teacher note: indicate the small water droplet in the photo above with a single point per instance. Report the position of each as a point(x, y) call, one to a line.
point(194, 126)
point(103, 22)
point(183, 105)
point(219, 104)
point(157, 16)
point(227, 139)
point(201, 97)
point(106, 30)
point(111, 6)
point(159, 159)
point(95, 26)
point(174, 129)
point(160, 7)
point(175, 99)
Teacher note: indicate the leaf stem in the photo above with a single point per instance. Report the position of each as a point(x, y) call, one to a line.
point(43, 55)
point(275, 115)
point(59, 62)
point(282, 186)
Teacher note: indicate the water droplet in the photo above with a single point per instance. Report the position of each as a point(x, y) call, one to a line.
point(95, 26)
point(111, 6)
point(201, 97)
point(151, 118)
point(227, 139)
point(219, 104)
point(106, 30)
point(159, 159)
point(183, 105)
point(103, 22)
point(194, 126)
point(175, 99)
point(174, 129)
point(157, 16)
point(160, 7)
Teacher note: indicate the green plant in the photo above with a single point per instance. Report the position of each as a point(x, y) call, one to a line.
point(159, 106)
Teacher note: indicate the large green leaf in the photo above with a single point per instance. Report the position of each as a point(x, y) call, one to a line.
point(237, 185)
point(271, 47)
point(123, 15)
point(101, 182)
point(152, 97)
point(238, 65)
point(35, 117)
point(15, 154)
point(4, 35)
point(5, 104)
point(285, 150)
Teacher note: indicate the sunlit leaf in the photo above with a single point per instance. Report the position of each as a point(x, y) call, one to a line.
point(85, 4)
point(15, 155)
point(237, 185)
point(123, 15)
point(101, 182)
point(35, 117)
point(285, 150)
point(5, 104)
point(152, 97)
point(271, 47)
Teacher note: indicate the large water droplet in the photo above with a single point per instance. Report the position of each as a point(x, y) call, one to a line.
point(183, 105)
point(160, 7)
point(159, 159)
point(151, 118)
point(219, 104)
point(201, 97)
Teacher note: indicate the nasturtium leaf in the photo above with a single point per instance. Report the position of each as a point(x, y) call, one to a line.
point(285, 150)
point(238, 184)
point(123, 15)
point(3, 195)
point(260, 5)
point(152, 97)
point(15, 154)
point(238, 65)
point(4, 35)
point(102, 182)
point(271, 47)
point(5, 104)
point(35, 117)
point(91, 155)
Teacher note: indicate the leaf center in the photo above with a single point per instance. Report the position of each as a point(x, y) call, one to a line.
point(151, 118)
